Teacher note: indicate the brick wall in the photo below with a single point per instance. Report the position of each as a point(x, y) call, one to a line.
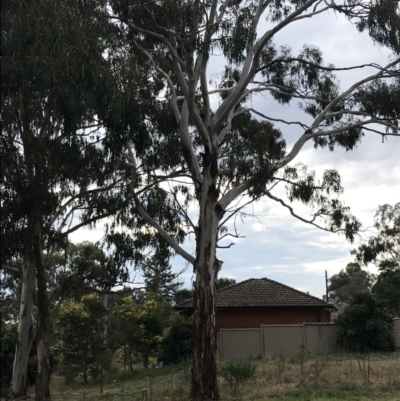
point(237, 318)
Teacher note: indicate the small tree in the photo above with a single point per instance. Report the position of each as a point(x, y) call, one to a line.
point(141, 326)
point(80, 327)
point(160, 282)
point(127, 315)
point(366, 325)
point(178, 343)
point(236, 373)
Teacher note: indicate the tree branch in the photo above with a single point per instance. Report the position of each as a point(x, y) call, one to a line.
point(149, 219)
point(297, 216)
point(253, 61)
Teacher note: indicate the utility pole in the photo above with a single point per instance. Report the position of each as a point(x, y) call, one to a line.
point(326, 285)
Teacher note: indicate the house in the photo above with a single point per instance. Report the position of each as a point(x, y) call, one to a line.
point(256, 302)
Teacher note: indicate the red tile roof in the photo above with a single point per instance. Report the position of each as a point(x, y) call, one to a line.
point(261, 292)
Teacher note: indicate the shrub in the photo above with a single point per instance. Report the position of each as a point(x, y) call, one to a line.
point(366, 325)
point(177, 345)
point(236, 373)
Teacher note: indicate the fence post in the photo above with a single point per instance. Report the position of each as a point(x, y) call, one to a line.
point(122, 391)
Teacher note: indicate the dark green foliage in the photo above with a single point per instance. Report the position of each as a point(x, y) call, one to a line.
point(183, 295)
point(387, 287)
point(385, 245)
point(10, 289)
point(381, 98)
point(236, 373)
point(7, 349)
point(323, 196)
point(383, 23)
point(56, 81)
point(383, 249)
point(177, 345)
point(224, 282)
point(81, 268)
point(293, 73)
point(251, 146)
point(160, 282)
point(366, 325)
point(348, 282)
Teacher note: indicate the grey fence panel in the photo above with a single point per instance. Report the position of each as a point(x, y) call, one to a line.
point(320, 338)
point(282, 340)
point(239, 344)
point(397, 330)
point(219, 345)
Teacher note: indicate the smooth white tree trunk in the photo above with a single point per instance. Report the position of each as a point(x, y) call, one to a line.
point(26, 331)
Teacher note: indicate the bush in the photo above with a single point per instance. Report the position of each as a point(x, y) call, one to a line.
point(177, 345)
point(366, 325)
point(236, 373)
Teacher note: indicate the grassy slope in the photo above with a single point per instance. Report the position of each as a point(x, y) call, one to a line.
point(333, 378)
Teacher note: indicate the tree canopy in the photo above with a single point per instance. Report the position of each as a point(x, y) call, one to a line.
point(169, 143)
point(383, 249)
point(347, 283)
point(214, 150)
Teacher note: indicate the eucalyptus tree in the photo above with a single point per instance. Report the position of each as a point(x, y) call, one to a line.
point(59, 171)
point(385, 244)
point(214, 150)
point(383, 250)
point(348, 282)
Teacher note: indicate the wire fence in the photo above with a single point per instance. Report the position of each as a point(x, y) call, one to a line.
point(164, 383)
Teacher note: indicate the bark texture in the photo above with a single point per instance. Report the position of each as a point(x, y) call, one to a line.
point(26, 331)
point(42, 387)
point(204, 372)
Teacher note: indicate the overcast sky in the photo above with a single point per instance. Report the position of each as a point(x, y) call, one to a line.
point(275, 245)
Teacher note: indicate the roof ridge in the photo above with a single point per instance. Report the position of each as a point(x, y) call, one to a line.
point(295, 289)
point(220, 290)
point(235, 285)
point(252, 292)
